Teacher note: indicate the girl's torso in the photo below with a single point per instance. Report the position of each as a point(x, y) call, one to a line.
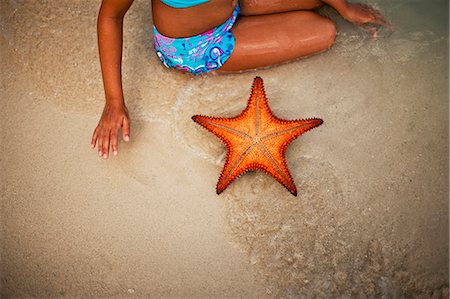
point(184, 22)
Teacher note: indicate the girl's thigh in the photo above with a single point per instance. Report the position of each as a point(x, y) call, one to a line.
point(276, 38)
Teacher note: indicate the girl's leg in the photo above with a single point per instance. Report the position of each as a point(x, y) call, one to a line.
point(262, 7)
point(275, 38)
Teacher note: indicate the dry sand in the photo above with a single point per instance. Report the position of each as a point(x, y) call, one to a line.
point(371, 218)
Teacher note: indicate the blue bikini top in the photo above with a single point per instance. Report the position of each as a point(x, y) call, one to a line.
point(183, 3)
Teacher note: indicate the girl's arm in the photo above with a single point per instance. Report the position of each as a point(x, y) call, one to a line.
point(360, 14)
point(110, 31)
point(115, 114)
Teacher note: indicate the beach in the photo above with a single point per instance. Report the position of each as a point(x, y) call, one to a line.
point(371, 216)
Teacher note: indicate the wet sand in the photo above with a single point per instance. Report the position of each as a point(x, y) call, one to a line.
point(371, 217)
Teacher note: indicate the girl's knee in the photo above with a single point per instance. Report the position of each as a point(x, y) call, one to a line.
point(322, 28)
point(326, 29)
point(329, 31)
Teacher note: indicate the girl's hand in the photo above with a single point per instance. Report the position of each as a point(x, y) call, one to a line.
point(114, 117)
point(364, 16)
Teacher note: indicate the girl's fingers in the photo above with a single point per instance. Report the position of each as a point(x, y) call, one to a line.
point(94, 137)
point(106, 134)
point(106, 145)
point(374, 27)
point(114, 142)
point(377, 17)
point(100, 145)
point(371, 29)
point(372, 15)
point(126, 129)
point(380, 20)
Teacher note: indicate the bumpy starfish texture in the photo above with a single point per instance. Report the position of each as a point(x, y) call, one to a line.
point(256, 139)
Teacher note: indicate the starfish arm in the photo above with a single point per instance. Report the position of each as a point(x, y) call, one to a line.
point(266, 122)
point(256, 157)
point(238, 125)
point(276, 167)
point(274, 147)
point(235, 161)
point(258, 108)
point(220, 127)
point(288, 130)
point(237, 146)
point(236, 164)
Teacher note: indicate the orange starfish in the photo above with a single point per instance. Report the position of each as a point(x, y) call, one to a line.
point(256, 139)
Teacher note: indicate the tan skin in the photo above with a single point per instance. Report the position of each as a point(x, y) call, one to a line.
point(267, 32)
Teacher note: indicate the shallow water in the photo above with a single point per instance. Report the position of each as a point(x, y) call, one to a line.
point(371, 218)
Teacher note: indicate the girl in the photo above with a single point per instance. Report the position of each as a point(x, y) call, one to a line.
point(201, 36)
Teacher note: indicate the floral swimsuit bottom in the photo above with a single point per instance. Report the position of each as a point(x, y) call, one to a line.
point(197, 54)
